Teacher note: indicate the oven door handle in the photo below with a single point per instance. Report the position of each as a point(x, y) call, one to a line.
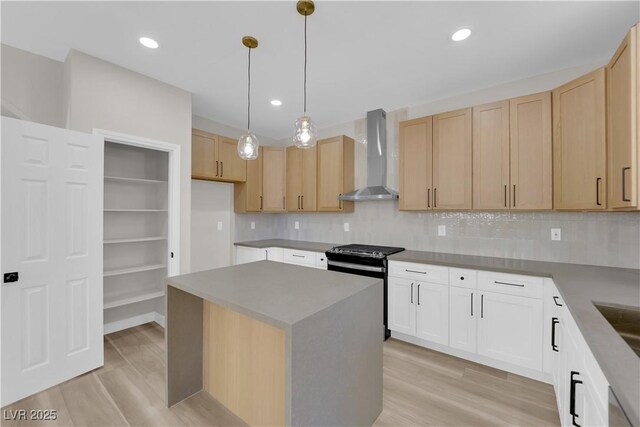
point(356, 266)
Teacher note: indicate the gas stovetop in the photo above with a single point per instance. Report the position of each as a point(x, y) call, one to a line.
point(365, 251)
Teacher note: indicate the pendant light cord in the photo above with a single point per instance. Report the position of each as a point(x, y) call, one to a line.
point(249, 93)
point(305, 64)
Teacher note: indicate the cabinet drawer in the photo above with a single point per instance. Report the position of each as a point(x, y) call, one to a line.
point(321, 260)
point(463, 278)
point(422, 272)
point(511, 284)
point(292, 256)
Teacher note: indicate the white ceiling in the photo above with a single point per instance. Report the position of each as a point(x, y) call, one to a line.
point(362, 55)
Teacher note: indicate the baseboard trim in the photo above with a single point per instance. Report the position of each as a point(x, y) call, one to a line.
point(508, 367)
point(130, 322)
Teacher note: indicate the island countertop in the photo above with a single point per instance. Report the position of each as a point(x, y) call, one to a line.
point(275, 293)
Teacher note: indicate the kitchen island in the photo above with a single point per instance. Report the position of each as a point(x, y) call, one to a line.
point(277, 344)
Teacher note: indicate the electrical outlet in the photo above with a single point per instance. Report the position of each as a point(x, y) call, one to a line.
point(556, 234)
point(346, 226)
point(296, 225)
point(219, 225)
point(253, 225)
point(442, 230)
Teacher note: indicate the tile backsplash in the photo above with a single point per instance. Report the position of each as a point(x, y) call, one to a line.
point(611, 239)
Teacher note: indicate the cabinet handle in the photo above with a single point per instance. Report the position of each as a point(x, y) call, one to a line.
point(428, 197)
point(302, 202)
point(221, 169)
point(283, 205)
point(555, 300)
point(520, 285)
point(298, 202)
point(624, 190)
point(260, 202)
point(217, 168)
point(482, 306)
point(514, 195)
point(298, 256)
point(598, 191)
point(415, 271)
point(340, 202)
point(418, 293)
point(554, 322)
point(505, 195)
point(471, 304)
point(266, 255)
point(412, 293)
point(572, 399)
point(435, 197)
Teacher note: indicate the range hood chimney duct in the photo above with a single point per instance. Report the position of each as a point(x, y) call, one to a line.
point(376, 188)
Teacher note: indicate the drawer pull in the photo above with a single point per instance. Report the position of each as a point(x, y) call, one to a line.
point(554, 322)
point(520, 285)
point(555, 300)
point(415, 271)
point(572, 398)
point(298, 256)
point(461, 277)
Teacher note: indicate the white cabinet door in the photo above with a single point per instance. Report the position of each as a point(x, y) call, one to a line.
point(275, 254)
point(510, 329)
point(52, 196)
point(245, 254)
point(401, 308)
point(432, 312)
point(463, 314)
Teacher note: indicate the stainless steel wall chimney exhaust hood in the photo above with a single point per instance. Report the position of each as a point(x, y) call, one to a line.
point(376, 188)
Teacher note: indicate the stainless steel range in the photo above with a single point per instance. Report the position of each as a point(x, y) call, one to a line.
point(363, 260)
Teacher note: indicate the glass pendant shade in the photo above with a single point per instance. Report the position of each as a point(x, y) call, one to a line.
point(305, 133)
point(248, 146)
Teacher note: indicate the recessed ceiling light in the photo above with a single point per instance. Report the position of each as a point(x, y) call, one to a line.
point(276, 102)
point(461, 34)
point(148, 42)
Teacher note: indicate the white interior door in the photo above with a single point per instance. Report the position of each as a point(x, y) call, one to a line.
point(52, 190)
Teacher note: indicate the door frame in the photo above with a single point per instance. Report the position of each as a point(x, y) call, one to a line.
point(173, 150)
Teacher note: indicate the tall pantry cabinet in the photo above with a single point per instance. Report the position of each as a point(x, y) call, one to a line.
point(136, 218)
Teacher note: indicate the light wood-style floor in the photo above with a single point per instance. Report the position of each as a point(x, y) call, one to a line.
point(421, 387)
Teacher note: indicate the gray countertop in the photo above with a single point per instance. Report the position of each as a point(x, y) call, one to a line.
point(276, 293)
point(288, 244)
point(579, 285)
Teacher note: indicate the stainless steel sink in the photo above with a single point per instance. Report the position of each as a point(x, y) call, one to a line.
point(625, 320)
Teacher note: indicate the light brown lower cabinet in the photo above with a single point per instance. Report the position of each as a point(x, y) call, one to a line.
point(416, 157)
point(301, 179)
point(623, 119)
point(579, 153)
point(335, 173)
point(491, 189)
point(247, 196)
point(452, 160)
point(274, 175)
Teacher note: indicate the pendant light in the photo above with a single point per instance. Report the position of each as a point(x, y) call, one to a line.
point(248, 143)
point(305, 130)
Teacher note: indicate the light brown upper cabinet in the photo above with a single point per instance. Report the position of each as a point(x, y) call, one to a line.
point(248, 194)
point(216, 158)
point(416, 156)
point(274, 175)
point(579, 144)
point(301, 179)
point(531, 175)
point(622, 124)
point(452, 160)
point(491, 187)
point(335, 173)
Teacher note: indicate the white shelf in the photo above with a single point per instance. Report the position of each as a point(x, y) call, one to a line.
point(132, 297)
point(133, 240)
point(135, 210)
point(120, 271)
point(134, 180)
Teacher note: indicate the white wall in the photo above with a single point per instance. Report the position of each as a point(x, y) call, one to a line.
point(32, 87)
point(101, 95)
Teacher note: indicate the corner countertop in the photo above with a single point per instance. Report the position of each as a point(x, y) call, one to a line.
point(276, 293)
point(287, 244)
point(580, 287)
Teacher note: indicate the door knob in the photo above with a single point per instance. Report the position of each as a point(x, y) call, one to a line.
point(11, 277)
